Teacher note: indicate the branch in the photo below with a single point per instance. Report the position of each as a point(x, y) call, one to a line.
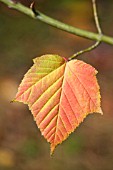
point(57, 24)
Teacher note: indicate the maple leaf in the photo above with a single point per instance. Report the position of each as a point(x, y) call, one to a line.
point(60, 94)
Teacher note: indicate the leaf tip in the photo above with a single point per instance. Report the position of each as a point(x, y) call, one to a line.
point(100, 111)
point(13, 100)
point(52, 149)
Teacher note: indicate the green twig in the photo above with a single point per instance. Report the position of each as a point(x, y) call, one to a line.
point(96, 17)
point(98, 29)
point(58, 24)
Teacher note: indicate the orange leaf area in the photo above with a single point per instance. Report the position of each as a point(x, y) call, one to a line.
point(60, 94)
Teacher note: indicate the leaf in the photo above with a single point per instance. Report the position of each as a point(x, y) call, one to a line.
point(60, 94)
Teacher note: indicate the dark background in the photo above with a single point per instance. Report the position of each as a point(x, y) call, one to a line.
point(22, 147)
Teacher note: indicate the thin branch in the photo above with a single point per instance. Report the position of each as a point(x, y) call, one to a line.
point(98, 29)
point(96, 17)
point(57, 24)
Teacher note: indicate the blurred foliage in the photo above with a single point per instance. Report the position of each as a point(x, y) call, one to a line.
point(22, 39)
point(6, 158)
point(30, 148)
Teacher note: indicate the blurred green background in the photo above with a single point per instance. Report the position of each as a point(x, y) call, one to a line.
point(22, 147)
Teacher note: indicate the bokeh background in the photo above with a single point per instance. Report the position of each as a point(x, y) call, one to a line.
point(22, 147)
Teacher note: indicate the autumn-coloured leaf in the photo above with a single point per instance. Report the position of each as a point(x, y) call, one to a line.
point(60, 94)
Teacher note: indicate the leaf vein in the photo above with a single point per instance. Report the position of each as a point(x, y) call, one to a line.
point(42, 121)
point(82, 85)
point(71, 107)
point(46, 91)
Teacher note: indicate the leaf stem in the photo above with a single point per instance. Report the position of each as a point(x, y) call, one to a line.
point(57, 24)
point(99, 32)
